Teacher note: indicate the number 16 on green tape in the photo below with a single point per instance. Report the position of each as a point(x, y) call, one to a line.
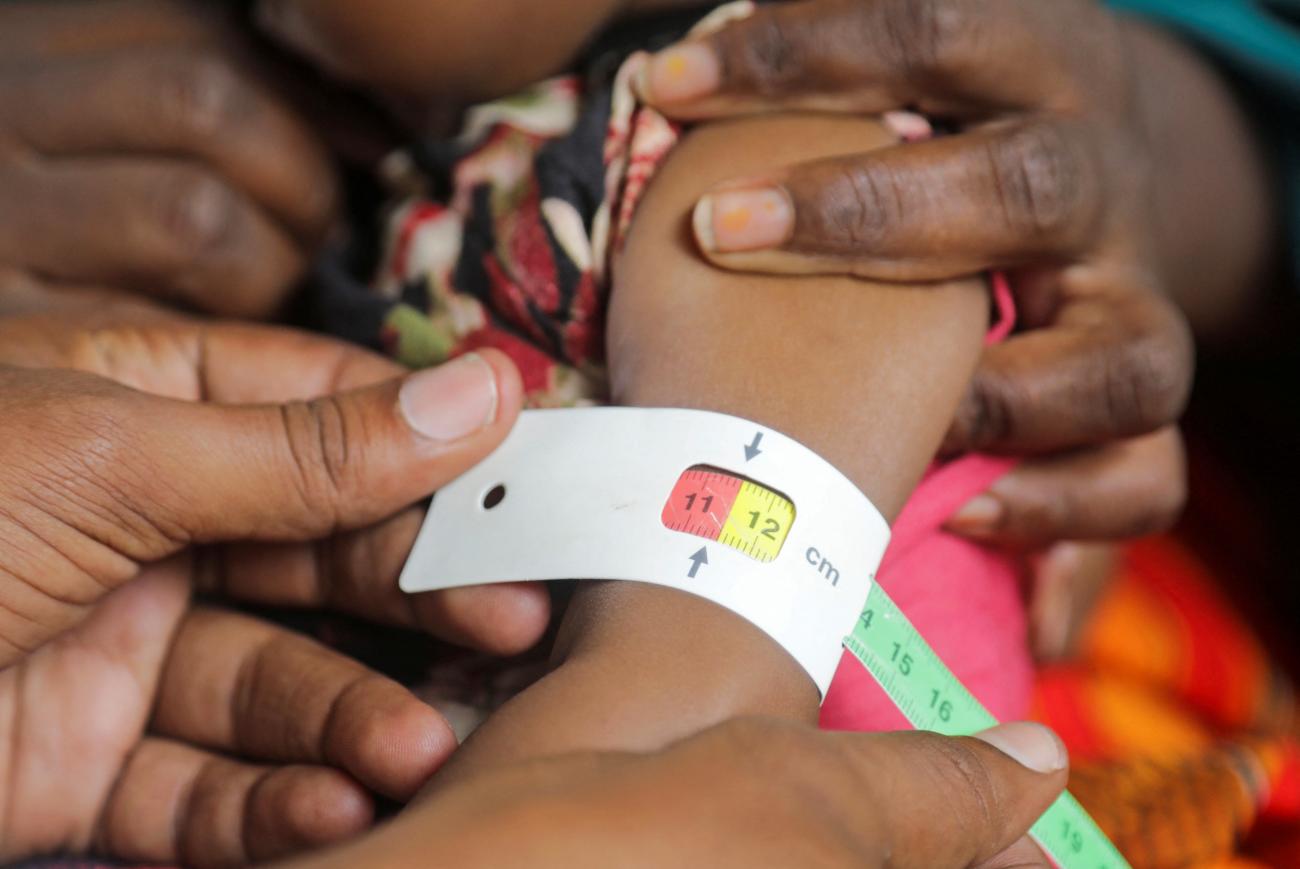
point(931, 698)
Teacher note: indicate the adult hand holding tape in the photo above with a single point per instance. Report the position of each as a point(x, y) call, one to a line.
point(174, 469)
point(746, 794)
point(304, 454)
point(628, 494)
point(135, 723)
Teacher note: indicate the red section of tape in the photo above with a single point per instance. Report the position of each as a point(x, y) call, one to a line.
point(700, 502)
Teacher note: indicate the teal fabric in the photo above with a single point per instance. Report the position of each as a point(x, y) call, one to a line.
point(1260, 43)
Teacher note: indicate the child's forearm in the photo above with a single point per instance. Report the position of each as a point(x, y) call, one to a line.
point(865, 375)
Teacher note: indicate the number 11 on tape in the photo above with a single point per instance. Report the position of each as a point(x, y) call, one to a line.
point(754, 520)
point(722, 508)
point(931, 698)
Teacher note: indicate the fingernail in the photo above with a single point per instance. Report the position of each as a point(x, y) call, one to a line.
point(451, 401)
point(684, 72)
point(740, 220)
point(980, 515)
point(908, 126)
point(1031, 745)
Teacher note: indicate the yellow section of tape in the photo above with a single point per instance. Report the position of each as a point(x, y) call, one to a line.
point(758, 522)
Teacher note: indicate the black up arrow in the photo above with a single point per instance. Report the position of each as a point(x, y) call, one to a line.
point(752, 449)
point(701, 557)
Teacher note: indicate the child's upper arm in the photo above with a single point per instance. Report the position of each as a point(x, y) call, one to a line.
point(866, 375)
point(457, 50)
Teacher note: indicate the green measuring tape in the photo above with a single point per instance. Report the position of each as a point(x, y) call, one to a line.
point(795, 573)
point(931, 698)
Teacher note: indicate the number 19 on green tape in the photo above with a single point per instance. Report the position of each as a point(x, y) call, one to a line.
point(931, 698)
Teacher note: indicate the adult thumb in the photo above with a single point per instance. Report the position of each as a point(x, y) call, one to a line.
point(302, 470)
point(957, 802)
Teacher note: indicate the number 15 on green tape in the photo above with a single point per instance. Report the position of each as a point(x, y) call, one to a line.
point(931, 698)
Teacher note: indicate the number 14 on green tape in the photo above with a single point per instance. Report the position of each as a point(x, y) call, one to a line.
point(931, 698)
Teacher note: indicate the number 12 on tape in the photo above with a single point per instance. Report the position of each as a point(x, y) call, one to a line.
point(755, 520)
point(781, 538)
point(931, 698)
point(734, 511)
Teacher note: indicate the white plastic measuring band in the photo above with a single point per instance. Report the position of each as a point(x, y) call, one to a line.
point(703, 502)
point(725, 509)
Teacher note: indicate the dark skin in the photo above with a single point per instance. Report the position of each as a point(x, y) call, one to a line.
point(420, 55)
point(112, 747)
point(1100, 180)
point(749, 793)
point(889, 362)
point(199, 170)
point(146, 454)
point(282, 711)
point(692, 663)
point(1088, 180)
point(705, 665)
point(222, 739)
point(176, 366)
point(186, 175)
point(875, 399)
point(900, 471)
point(163, 238)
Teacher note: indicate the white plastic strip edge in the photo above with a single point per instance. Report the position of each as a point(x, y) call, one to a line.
point(584, 491)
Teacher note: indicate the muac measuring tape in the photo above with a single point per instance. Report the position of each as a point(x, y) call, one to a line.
point(725, 509)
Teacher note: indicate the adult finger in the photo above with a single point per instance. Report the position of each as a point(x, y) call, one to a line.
point(1126, 489)
point(166, 226)
point(1024, 854)
point(869, 56)
point(132, 477)
point(1113, 365)
point(240, 363)
point(246, 363)
point(996, 196)
point(1066, 580)
point(164, 353)
point(177, 103)
point(942, 801)
point(176, 803)
point(354, 572)
point(205, 472)
point(357, 573)
point(249, 688)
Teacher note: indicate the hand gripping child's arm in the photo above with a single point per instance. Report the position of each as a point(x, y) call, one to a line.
point(867, 376)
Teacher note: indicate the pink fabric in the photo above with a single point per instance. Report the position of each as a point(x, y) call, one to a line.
point(965, 599)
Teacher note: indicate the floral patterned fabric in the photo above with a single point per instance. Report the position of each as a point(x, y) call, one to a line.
point(504, 238)
point(1181, 729)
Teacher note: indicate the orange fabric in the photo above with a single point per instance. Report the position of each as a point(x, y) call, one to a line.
point(1181, 730)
